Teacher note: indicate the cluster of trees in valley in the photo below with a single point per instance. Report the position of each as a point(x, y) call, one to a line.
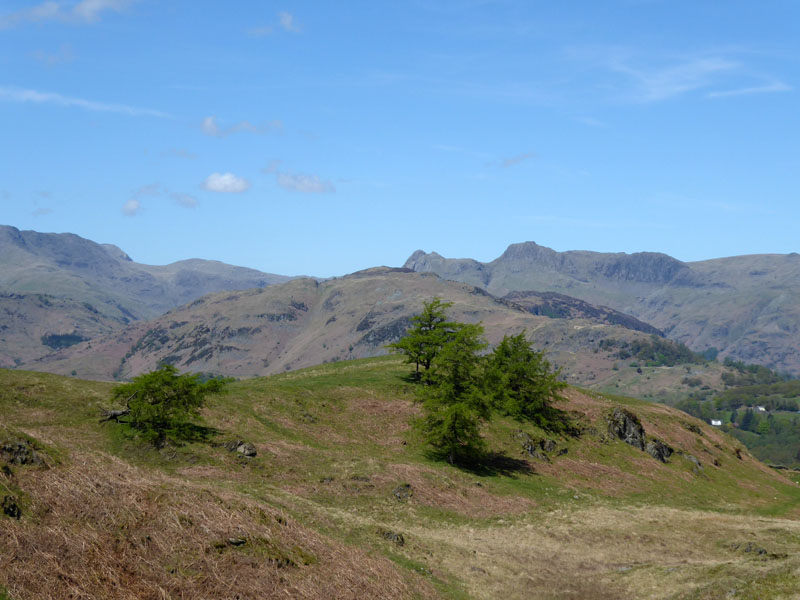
point(764, 416)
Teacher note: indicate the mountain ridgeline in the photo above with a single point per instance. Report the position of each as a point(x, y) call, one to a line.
point(306, 322)
point(90, 289)
point(744, 307)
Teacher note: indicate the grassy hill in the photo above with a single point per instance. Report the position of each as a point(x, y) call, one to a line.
point(342, 502)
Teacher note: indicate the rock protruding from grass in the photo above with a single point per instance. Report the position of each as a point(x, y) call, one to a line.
point(244, 448)
point(539, 449)
point(10, 507)
point(626, 426)
point(403, 492)
point(697, 466)
point(392, 536)
point(659, 450)
point(19, 452)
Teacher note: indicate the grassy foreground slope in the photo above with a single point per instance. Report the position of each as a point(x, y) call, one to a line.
point(341, 502)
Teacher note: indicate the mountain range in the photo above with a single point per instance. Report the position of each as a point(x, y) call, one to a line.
point(68, 304)
point(57, 289)
point(743, 307)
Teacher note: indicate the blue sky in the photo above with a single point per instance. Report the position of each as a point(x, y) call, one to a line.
point(321, 138)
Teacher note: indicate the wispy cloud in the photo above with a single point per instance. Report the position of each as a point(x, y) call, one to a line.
point(307, 184)
point(272, 167)
point(771, 88)
point(42, 212)
point(132, 207)
point(591, 122)
point(298, 182)
point(91, 10)
point(226, 183)
point(515, 160)
point(184, 200)
point(63, 55)
point(12, 94)
point(662, 83)
point(288, 22)
point(647, 78)
point(85, 11)
point(211, 127)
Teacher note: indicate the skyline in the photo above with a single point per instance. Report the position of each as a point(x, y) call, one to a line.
point(304, 139)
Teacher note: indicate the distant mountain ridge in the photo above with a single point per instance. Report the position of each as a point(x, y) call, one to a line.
point(306, 322)
point(748, 307)
point(93, 288)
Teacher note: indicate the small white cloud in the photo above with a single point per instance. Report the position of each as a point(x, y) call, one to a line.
point(185, 200)
point(515, 160)
point(309, 184)
point(42, 212)
point(226, 183)
point(210, 127)
point(132, 207)
point(287, 22)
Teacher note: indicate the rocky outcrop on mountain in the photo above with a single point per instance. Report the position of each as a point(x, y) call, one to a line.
point(561, 306)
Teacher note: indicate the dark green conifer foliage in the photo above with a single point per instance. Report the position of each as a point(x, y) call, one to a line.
point(430, 331)
point(521, 382)
point(162, 403)
point(454, 402)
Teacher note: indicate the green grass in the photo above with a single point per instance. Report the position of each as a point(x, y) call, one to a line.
point(334, 442)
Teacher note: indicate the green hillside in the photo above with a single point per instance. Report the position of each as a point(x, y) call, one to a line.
point(342, 502)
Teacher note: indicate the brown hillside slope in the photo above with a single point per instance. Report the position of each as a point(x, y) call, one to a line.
point(339, 472)
point(306, 322)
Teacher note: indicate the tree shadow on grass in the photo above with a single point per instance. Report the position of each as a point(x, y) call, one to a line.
point(558, 422)
point(487, 464)
point(493, 464)
point(410, 377)
point(191, 432)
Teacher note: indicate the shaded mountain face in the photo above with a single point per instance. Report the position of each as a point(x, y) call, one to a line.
point(85, 280)
point(561, 306)
point(748, 307)
point(306, 322)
